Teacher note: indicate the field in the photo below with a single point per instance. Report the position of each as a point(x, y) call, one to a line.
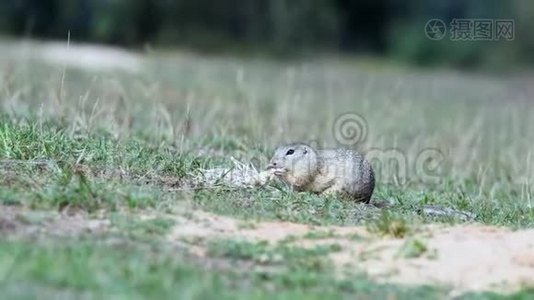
point(109, 188)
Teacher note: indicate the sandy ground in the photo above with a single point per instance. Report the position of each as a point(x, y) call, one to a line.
point(463, 257)
point(87, 57)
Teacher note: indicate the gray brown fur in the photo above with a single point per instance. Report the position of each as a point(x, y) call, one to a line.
point(338, 171)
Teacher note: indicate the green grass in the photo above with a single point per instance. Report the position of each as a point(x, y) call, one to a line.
point(142, 229)
point(94, 269)
point(50, 169)
point(68, 188)
point(292, 257)
point(119, 144)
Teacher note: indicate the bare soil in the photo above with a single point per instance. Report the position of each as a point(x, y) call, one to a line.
point(463, 257)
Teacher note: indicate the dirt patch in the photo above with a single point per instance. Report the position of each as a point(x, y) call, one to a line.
point(7, 225)
point(469, 257)
point(19, 221)
point(463, 257)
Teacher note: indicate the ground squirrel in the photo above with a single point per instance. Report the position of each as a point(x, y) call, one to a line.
point(338, 171)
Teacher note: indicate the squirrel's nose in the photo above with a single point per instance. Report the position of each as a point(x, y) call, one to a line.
point(271, 165)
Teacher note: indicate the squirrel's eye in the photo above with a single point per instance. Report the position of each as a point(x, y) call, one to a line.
point(290, 151)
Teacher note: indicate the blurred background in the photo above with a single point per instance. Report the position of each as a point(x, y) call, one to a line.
point(393, 29)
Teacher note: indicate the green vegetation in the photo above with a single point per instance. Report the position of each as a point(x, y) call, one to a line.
point(89, 268)
point(122, 270)
point(413, 248)
point(390, 225)
point(290, 256)
point(117, 145)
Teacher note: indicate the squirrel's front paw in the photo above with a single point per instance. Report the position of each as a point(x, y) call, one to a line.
point(264, 177)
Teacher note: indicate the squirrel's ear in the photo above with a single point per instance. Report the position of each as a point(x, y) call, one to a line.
point(305, 150)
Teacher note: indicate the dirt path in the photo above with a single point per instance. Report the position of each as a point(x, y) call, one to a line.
point(463, 257)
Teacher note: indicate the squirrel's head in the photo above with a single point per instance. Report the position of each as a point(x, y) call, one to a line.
point(294, 160)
